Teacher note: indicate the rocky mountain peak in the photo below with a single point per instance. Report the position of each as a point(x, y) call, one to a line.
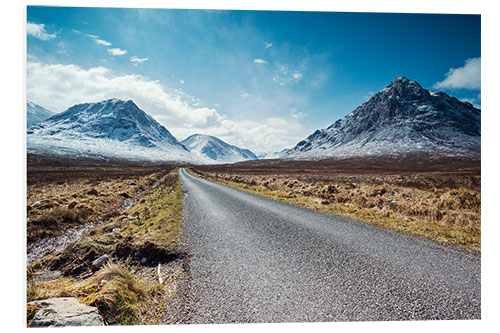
point(401, 118)
point(406, 89)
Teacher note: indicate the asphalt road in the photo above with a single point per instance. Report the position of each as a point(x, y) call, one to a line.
point(258, 260)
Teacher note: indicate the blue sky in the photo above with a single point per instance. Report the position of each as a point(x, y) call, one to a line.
point(259, 79)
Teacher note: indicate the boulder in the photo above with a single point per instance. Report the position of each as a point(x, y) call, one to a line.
point(99, 262)
point(64, 311)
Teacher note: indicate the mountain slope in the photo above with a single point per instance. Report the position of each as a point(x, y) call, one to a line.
point(272, 156)
point(402, 118)
point(36, 113)
point(111, 128)
point(212, 149)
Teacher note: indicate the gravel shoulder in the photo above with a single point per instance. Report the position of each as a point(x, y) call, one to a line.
point(257, 260)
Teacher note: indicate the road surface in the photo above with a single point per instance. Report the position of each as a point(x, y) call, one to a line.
point(257, 260)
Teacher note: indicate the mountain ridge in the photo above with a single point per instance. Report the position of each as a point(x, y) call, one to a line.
point(36, 113)
point(216, 150)
point(403, 117)
point(112, 128)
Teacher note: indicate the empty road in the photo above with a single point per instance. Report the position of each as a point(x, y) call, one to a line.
point(257, 260)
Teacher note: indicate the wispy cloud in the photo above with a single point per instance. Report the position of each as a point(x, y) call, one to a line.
point(117, 52)
point(466, 77)
point(99, 41)
point(260, 61)
point(368, 95)
point(267, 45)
point(297, 75)
point(283, 69)
point(298, 115)
point(62, 49)
point(245, 95)
point(37, 30)
point(138, 60)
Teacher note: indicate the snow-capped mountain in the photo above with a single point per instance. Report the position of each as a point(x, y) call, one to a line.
point(402, 118)
point(211, 149)
point(36, 113)
point(272, 156)
point(111, 128)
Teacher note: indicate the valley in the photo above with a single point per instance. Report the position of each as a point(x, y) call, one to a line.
point(123, 216)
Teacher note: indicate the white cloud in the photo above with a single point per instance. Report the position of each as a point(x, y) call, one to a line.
point(58, 87)
point(245, 95)
point(260, 61)
point(138, 60)
point(102, 42)
point(465, 77)
point(298, 115)
point(117, 52)
point(99, 41)
point(297, 76)
point(181, 81)
point(37, 30)
point(268, 45)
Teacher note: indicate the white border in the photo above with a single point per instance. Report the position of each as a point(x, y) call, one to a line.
point(13, 191)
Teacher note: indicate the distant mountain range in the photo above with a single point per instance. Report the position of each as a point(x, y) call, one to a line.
point(36, 113)
point(215, 150)
point(272, 156)
point(119, 129)
point(402, 118)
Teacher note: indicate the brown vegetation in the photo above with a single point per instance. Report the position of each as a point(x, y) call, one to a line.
point(139, 210)
point(64, 196)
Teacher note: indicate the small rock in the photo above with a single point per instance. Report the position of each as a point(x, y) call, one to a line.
point(393, 202)
point(93, 192)
point(42, 204)
point(72, 205)
point(144, 261)
point(65, 311)
point(99, 262)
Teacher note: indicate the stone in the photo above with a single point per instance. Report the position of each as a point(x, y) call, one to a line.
point(99, 262)
point(65, 311)
point(93, 192)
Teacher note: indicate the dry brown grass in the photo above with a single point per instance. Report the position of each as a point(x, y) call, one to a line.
point(125, 291)
point(53, 208)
